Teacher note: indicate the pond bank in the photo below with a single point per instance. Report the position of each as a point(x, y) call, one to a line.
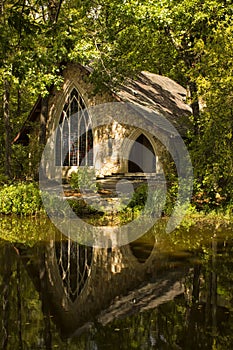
point(103, 207)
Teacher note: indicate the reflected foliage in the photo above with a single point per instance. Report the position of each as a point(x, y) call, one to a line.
point(199, 317)
point(27, 231)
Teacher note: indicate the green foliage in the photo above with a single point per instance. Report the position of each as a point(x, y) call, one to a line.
point(171, 196)
point(26, 230)
point(57, 206)
point(20, 199)
point(80, 207)
point(139, 197)
point(212, 152)
point(54, 205)
point(151, 203)
point(83, 180)
point(3, 179)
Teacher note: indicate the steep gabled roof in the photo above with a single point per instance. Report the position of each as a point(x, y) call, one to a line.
point(153, 91)
point(161, 94)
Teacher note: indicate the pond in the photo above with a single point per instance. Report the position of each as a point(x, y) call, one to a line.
point(163, 291)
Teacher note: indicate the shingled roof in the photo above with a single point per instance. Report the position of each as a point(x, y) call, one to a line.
point(161, 94)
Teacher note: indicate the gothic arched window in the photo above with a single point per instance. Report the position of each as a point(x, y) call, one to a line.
point(74, 139)
point(74, 262)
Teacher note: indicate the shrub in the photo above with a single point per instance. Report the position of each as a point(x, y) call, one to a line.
point(20, 198)
point(155, 200)
point(139, 197)
point(84, 179)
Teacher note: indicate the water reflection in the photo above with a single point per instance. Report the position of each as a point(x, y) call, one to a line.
point(74, 263)
point(146, 295)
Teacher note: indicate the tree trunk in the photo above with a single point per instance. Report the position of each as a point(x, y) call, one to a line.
point(6, 114)
point(214, 287)
point(4, 292)
point(42, 139)
point(54, 7)
point(19, 306)
point(43, 120)
point(196, 283)
point(18, 102)
point(194, 105)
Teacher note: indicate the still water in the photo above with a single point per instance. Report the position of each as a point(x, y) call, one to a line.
point(163, 291)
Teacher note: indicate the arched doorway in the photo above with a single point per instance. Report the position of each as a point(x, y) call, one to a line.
point(142, 158)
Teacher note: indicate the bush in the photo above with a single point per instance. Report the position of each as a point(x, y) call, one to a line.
point(21, 199)
point(84, 179)
point(155, 200)
point(139, 197)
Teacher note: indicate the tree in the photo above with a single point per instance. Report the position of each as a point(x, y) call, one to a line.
point(190, 41)
point(28, 65)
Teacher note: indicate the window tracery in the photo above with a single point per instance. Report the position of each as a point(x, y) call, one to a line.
point(74, 139)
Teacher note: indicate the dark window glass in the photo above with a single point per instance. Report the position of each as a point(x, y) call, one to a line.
point(74, 140)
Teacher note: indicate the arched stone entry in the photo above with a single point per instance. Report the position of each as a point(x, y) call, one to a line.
point(142, 159)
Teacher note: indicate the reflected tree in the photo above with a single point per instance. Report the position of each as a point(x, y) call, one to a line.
point(6, 267)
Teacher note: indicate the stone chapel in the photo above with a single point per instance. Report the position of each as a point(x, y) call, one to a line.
point(87, 131)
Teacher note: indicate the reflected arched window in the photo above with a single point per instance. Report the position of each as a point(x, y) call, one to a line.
point(74, 139)
point(74, 263)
